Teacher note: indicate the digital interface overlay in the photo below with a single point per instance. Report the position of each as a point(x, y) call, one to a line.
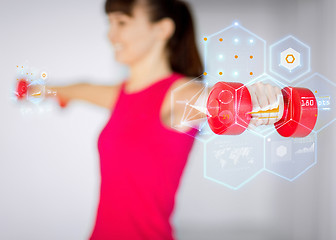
point(235, 54)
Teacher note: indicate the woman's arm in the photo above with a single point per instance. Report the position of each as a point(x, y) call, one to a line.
point(189, 100)
point(104, 96)
point(185, 104)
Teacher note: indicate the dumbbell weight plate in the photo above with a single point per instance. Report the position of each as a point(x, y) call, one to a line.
point(22, 88)
point(228, 105)
point(300, 113)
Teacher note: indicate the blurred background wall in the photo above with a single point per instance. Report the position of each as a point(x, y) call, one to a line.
point(49, 169)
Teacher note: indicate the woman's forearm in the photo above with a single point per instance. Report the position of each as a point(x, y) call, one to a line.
point(96, 94)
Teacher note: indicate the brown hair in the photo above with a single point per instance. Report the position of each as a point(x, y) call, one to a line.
point(183, 55)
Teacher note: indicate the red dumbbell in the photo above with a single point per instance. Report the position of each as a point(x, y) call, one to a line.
point(229, 106)
point(23, 87)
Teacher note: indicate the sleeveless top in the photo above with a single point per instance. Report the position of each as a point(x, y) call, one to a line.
point(141, 163)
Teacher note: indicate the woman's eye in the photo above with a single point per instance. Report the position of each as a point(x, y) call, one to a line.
point(121, 23)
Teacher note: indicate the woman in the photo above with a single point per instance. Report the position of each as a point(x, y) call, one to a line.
point(141, 156)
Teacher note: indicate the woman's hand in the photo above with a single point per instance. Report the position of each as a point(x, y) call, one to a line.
point(267, 102)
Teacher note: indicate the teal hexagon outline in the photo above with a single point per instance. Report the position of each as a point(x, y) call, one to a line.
point(228, 185)
point(327, 80)
point(234, 25)
point(279, 75)
point(302, 172)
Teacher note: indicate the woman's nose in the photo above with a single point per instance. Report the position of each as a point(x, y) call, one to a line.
point(112, 34)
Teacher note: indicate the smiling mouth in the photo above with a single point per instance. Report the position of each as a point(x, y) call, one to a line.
point(118, 46)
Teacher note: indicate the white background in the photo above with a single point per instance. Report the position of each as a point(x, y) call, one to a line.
point(49, 169)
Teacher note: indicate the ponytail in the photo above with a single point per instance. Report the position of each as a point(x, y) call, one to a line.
point(184, 57)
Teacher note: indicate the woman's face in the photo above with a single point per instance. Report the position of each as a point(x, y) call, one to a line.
point(132, 37)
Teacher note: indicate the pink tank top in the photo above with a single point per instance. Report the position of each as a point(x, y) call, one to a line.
point(141, 163)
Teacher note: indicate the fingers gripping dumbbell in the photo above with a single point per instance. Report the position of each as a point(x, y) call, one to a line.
point(230, 106)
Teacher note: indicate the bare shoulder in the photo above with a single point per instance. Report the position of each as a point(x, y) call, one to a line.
point(184, 89)
point(186, 86)
point(112, 94)
point(182, 93)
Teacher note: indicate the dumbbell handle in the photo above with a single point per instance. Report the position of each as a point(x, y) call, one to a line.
point(229, 105)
